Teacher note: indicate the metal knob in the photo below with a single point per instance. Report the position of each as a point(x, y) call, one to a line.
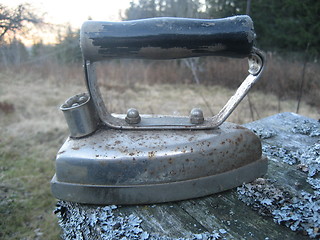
point(196, 116)
point(133, 116)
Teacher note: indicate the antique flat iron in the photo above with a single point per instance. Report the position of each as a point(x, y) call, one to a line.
point(139, 159)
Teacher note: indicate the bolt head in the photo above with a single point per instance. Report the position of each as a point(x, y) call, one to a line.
point(255, 64)
point(196, 116)
point(83, 99)
point(133, 116)
point(75, 104)
point(65, 105)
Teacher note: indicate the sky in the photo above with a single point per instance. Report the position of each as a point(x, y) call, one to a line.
point(75, 12)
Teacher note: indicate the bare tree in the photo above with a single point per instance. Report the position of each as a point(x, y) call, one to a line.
point(14, 20)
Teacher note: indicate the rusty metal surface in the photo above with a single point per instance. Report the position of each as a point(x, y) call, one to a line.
point(127, 166)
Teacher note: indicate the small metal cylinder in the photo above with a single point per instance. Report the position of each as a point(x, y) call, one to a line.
point(80, 114)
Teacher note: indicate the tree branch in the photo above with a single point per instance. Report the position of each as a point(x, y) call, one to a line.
point(13, 20)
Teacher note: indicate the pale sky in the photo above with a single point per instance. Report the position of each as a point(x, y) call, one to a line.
point(73, 12)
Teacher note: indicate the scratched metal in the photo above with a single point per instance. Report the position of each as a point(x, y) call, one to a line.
point(167, 38)
point(131, 167)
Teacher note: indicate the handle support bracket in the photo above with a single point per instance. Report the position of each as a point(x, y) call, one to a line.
point(256, 62)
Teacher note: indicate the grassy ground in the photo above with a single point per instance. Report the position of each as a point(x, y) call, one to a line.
point(32, 129)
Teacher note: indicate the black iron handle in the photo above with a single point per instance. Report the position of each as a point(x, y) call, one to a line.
point(167, 38)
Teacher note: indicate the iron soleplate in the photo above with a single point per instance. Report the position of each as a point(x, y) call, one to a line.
point(140, 167)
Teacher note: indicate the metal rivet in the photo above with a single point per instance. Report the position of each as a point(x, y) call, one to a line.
point(133, 116)
point(83, 99)
point(196, 116)
point(75, 105)
point(255, 64)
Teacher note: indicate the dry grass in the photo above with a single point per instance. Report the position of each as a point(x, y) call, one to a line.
point(141, 87)
point(180, 99)
point(280, 78)
point(32, 127)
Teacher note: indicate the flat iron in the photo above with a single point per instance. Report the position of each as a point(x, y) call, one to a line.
point(141, 159)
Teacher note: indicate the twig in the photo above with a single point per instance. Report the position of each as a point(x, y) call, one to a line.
point(302, 78)
point(250, 107)
point(192, 64)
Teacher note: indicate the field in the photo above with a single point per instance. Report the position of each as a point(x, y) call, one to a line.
point(32, 128)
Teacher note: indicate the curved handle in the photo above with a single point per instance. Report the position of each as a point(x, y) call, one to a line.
point(256, 65)
point(167, 38)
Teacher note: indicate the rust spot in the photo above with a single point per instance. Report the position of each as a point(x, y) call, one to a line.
point(170, 161)
point(223, 142)
point(151, 154)
point(61, 152)
point(131, 154)
point(75, 148)
point(117, 142)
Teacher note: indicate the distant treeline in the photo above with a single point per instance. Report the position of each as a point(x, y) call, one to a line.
point(282, 26)
point(66, 50)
